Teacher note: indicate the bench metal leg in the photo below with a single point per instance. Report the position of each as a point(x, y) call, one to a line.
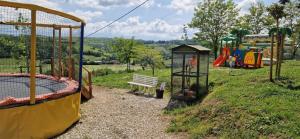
point(147, 90)
point(153, 90)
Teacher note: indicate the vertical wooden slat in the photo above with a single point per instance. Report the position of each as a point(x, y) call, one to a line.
point(70, 55)
point(52, 53)
point(198, 75)
point(59, 55)
point(33, 57)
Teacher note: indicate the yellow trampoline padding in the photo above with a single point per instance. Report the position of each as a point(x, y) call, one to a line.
point(42, 120)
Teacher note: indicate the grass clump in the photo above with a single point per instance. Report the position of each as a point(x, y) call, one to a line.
point(245, 106)
point(120, 78)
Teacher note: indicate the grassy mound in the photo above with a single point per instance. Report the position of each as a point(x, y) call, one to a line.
point(246, 105)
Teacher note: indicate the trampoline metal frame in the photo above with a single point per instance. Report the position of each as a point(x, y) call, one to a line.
point(34, 8)
point(56, 115)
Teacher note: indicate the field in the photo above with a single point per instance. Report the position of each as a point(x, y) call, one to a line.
point(119, 80)
point(114, 67)
point(245, 105)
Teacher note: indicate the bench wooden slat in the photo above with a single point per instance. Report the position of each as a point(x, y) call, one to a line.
point(142, 80)
point(133, 83)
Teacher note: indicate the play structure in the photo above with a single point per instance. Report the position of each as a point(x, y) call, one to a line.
point(249, 57)
point(189, 73)
point(40, 70)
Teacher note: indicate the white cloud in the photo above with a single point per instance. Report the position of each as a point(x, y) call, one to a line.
point(244, 5)
point(158, 5)
point(183, 5)
point(87, 16)
point(104, 4)
point(44, 3)
point(133, 26)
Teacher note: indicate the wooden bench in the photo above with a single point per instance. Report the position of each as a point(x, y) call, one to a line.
point(147, 82)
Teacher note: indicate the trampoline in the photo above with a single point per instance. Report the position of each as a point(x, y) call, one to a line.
point(41, 52)
point(47, 87)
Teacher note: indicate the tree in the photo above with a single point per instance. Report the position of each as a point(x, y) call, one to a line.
point(213, 19)
point(123, 48)
point(283, 32)
point(20, 51)
point(291, 19)
point(284, 1)
point(240, 33)
point(149, 57)
point(185, 36)
point(257, 19)
point(276, 11)
point(271, 33)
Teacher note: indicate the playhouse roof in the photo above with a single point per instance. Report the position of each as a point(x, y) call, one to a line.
point(257, 36)
point(197, 47)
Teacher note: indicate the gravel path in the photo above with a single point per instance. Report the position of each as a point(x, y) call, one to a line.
point(113, 113)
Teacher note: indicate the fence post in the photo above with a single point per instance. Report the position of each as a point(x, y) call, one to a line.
point(70, 54)
point(52, 53)
point(33, 57)
point(59, 54)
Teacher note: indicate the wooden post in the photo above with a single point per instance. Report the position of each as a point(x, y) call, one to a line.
point(70, 55)
point(59, 55)
point(198, 75)
point(33, 57)
point(52, 54)
point(271, 59)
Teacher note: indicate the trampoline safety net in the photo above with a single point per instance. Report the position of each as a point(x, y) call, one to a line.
point(39, 54)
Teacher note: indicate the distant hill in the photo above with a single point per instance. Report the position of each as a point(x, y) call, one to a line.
point(102, 42)
point(98, 49)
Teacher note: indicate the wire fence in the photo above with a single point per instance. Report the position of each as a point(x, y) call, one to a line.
point(57, 54)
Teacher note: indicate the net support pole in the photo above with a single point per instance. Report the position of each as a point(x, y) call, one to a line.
point(59, 55)
point(70, 54)
point(81, 55)
point(52, 52)
point(33, 57)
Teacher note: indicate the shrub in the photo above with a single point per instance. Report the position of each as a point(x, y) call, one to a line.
point(102, 72)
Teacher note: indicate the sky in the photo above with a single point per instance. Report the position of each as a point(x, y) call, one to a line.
point(156, 20)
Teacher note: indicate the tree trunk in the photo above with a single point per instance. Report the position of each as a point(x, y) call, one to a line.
point(215, 44)
point(129, 65)
point(281, 54)
point(153, 70)
point(277, 48)
point(294, 46)
point(241, 41)
point(216, 51)
point(271, 59)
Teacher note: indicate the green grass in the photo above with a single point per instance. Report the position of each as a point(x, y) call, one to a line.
point(90, 48)
point(11, 65)
point(91, 58)
point(114, 67)
point(120, 80)
point(246, 105)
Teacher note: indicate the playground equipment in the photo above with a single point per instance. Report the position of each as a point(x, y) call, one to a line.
point(242, 57)
point(189, 73)
point(253, 58)
point(223, 57)
point(247, 58)
point(44, 104)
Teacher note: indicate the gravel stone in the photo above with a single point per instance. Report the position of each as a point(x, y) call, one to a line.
point(116, 114)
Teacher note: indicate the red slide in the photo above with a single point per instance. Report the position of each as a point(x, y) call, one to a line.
point(219, 61)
